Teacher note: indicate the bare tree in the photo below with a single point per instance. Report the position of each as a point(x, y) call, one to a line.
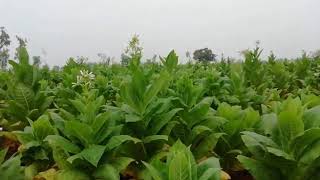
point(4, 51)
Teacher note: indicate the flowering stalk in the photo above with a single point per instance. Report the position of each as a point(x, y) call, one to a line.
point(85, 80)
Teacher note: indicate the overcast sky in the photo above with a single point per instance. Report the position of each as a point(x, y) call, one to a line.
point(65, 28)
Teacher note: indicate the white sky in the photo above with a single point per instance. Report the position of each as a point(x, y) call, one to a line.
point(65, 28)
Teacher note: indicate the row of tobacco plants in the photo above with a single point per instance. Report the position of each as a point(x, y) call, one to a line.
point(164, 121)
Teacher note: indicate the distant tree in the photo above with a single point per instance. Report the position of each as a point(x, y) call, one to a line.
point(272, 58)
point(188, 55)
point(247, 52)
point(204, 55)
point(56, 68)
point(124, 59)
point(36, 61)
point(104, 59)
point(316, 54)
point(82, 60)
point(244, 52)
point(22, 44)
point(46, 66)
point(152, 60)
point(134, 49)
point(4, 51)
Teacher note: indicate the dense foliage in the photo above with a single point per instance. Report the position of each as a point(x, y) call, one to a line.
point(162, 121)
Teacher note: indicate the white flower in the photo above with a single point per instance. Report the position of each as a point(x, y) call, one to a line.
point(84, 79)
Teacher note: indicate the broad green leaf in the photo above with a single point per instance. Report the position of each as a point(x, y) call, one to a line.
point(261, 139)
point(106, 172)
point(23, 95)
point(268, 123)
point(257, 144)
point(199, 110)
point(251, 118)
point(59, 141)
point(74, 157)
point(197, 130)
point(93, 154)
point(157, 125)
point(116, 141)
point(49, 174)
point(311, 117)
point(155, 174)
point(152, 138)
point(121, 163)
point(180, 168)
point(105, 132)
point(42, 128)
point(133, 118)
point(31, 171)
point(156, 87)
point(181, 162)
point(3, 153)
point(280, 153)
point(72, 174)
point(11, 169)
point(213, 122)
point(311, 153)
point(168, 128)
point(206, 145)
point(47, 102)
point(24, 137)
point(58, 121)
point(290, 126)
point(170, 62)
point(209, 169)
point(66, 115)
point(301, 142)
point(99, 121)
point(32, 144)
point(259, 170)
point(61, 158)
point(210, 174)
point(79, 130)
point(79, 106)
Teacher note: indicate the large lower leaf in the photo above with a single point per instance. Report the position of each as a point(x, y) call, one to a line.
point(3, 153)
point(11, 169)
point(106, 172)
point(311, 153)
point(301, 142)
point(259, 170)
point(180, 168)
point(209, 169)
point(182, 165)
point(154, 173)
point(92, 154)
point(257, 144)
point(59, 141)
point(72, 174)
point(207, 144)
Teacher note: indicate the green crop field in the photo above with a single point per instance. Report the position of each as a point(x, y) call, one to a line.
point(251, 119)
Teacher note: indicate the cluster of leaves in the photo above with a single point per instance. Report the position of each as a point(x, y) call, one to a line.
point(160, 121)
